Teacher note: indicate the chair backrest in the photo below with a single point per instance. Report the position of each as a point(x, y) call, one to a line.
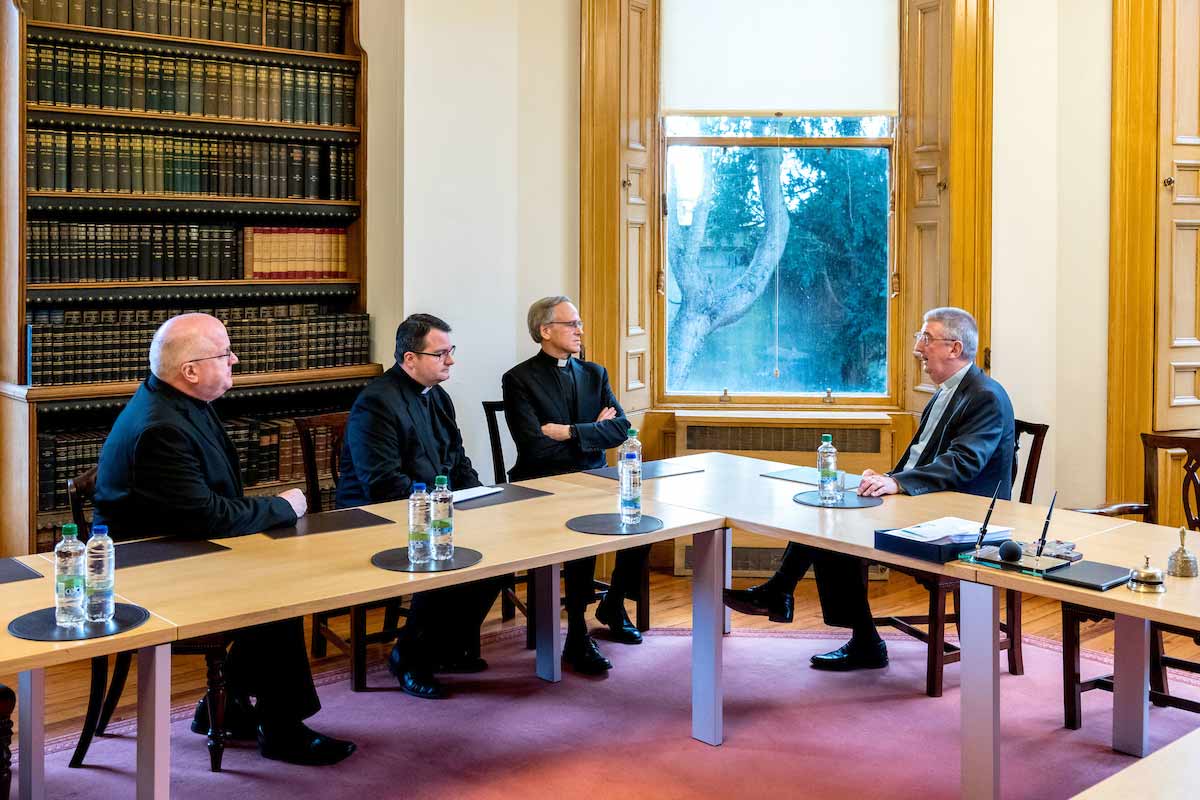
point(1190, 490)
point(1038, 432)
point(80, 490)
point(492, 409)
point(307, 429)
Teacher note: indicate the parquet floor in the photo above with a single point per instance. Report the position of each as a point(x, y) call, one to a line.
point(67, 687)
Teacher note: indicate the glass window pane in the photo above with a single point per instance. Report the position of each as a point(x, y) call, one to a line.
point(777, 126)
point(777, 269)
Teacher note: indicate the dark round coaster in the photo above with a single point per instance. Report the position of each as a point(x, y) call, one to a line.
point(849, 500)
point(396, 560)
point(610, 525)
point(39, 626)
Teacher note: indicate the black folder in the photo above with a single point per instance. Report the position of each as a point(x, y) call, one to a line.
point(1090, 575)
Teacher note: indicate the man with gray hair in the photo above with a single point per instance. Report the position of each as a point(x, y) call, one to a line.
point(168, 467)
point(965, 443)
point(563, 415)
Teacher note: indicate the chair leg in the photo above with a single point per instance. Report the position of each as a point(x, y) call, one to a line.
point(1158, 672)
point(8, 702)
point(358, 649)
point(643, 599)
point(115, 687)
point(530, 616)
point(95, 701)
point(936, 662)
point(216, 708)
point(318, 638)
point(1072, 693)
point(391, 615)
point(508, 609)
point(1012, 627)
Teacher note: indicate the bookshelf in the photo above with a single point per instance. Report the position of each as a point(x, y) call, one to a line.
point(159, 156)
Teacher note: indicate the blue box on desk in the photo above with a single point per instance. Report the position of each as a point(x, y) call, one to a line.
point(926, 551)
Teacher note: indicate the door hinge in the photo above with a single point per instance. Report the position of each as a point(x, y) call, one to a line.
point(664, 204)
point(895, 284)
point(987, 359)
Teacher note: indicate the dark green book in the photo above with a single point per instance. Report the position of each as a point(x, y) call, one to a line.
point(189, 15)
point(108, 13)
point(201, 27)
point(93, 75)
point(242, 21)
point(95, 158)
point(91, 13)
point(139, 16)
point(79, 179)
point(31, 75)
point(225, 91)
point(62, 171)
point(239, 90)
point(271, 24)
point(348, 95)
point(125, 15)
point(137, 184)
point(310, 26)
point(108, 163)
point(76, 12)
point(138, 69)
point(325, 98)
point(295, 171)
point(335, 28)
point(274, 94)
point(322, 28)
point(45, 161)
point(287, 95)
point(124, 165)
point(45, 69)
point(300, 102)
point(78, 96)
point(157, 252)
point(216, 19)
point(310, 97)
point(256, 21)
point(195, 169)
point(337, 113)
point(182, 92)
point(284, 23)
point(211, 89)
point(166, 96)
point(152, 13)
point(229, 22)
point(153, 81)
point(124, 82)
point(196, 100)
point(168, 164)
point(176, 17)
point(111, 76)
point(335, 175)
point(297, 25)
point(62, 76)
point(31, 160)
point(312, 171)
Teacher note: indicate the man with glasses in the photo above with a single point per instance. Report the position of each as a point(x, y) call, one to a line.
point(965, 443)
point(563, 415)
point(402, 430)
point(167, 466)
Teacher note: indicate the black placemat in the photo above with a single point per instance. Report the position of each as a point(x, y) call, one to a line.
point(810, 476)
point(508, 494)
point(650, 470)
point(611, 525)
point(329, 522)
point(39, 626)
point(12, 571)
point(849, 500)
point(396, 560)
point(152, 551)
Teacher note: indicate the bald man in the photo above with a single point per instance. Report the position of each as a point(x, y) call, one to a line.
point(168, 468)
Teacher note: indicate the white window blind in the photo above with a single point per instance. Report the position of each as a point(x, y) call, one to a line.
point(799, 57)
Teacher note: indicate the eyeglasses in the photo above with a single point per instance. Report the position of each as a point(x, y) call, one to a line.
point(924, 338)
point(577, 324)
point(227, 355)
point(442, 354)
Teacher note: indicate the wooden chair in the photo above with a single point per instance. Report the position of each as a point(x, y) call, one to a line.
point(8, 702)
point(509, 602)
point(1074, 615)
point(940, 587)
point(102, 703)
point(307, 429)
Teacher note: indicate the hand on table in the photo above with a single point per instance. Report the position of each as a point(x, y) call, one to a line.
point(296, 500)
point(559, 433)
point(875, 484)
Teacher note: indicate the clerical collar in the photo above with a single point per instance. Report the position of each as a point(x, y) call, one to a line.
point(412, 382)
point(156, 384)
point(954, 380)
point(558, 362)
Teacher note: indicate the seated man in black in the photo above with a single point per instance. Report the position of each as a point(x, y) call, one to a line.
point(563, 416)
point(965, 443)
point(168, 467)
point(402, 431)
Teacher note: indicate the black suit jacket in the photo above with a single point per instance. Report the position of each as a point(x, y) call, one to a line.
point(971, 450)
point(167, 467)
point(533, 397)
point(388, 446)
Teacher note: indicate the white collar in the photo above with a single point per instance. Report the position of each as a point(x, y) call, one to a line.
point(954, 380)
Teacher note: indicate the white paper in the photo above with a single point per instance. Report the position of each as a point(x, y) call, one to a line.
point(946, 530)
point(478, 491)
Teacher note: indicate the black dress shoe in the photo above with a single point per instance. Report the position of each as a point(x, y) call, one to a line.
point(240, 720)
point(620, 629)
point(300, 744)
point(413, 680)
point(581, 654)
point(853, 656)
point(762, 601)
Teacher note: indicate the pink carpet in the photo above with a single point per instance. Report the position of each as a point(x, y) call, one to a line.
point(790, 732)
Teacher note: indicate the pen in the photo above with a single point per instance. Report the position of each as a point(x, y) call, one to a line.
point(986, 519)
point(1046, 527)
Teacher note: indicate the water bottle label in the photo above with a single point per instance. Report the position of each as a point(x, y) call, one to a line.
point(418, 536)
point(99, 588)
point(70, 585)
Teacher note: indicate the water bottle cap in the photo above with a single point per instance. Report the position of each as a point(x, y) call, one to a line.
point(441, 480)
point(70, 529)
point(826, 437)
point(99, 530)
point(418, 487)
point(633, 433)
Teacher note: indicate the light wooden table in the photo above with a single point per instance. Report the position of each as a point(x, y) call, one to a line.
point(1168, 774)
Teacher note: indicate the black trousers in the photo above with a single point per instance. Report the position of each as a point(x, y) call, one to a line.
point(626, 577)
point(270, 662)
point(444, 623)
point(841, 583)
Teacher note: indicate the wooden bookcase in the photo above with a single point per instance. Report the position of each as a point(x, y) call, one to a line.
point(28, 410)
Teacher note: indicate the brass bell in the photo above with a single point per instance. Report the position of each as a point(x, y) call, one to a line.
point(1147, 579)
point(1182, 563)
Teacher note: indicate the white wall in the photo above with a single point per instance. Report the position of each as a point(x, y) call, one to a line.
point(1051, 101)
point(488, 195)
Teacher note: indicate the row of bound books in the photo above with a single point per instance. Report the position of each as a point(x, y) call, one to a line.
point(294, 24)
point(130, 163)
point(129, 81)
point(86, 252)
point(100, 345)
point(294, 253)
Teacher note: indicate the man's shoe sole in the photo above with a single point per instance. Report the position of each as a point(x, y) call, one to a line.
point(845, 666)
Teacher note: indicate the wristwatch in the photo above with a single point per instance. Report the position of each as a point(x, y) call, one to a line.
point(574, 433)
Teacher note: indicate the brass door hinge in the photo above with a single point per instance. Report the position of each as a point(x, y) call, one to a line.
point(987, 359)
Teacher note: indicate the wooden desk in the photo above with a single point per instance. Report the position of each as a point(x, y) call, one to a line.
point(1168, 774)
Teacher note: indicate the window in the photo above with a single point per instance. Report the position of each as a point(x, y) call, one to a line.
point(778, 255)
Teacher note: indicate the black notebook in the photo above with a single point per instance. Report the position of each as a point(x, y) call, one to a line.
point(1090, 575)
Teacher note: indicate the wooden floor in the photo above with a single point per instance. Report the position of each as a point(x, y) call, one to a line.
point(67, 687)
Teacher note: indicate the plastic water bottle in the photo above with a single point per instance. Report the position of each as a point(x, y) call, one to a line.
point(100, 564)
point(827, 489)
point(629, 470)
point(68, 578)
point(418, 525)
point(442, 526)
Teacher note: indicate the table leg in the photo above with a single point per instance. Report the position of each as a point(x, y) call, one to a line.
point(979, 636)
point(154, 722)
point(549, 627)
point(31, 736)
point(1131, 685)
point(708, 620)
point(728, 578)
